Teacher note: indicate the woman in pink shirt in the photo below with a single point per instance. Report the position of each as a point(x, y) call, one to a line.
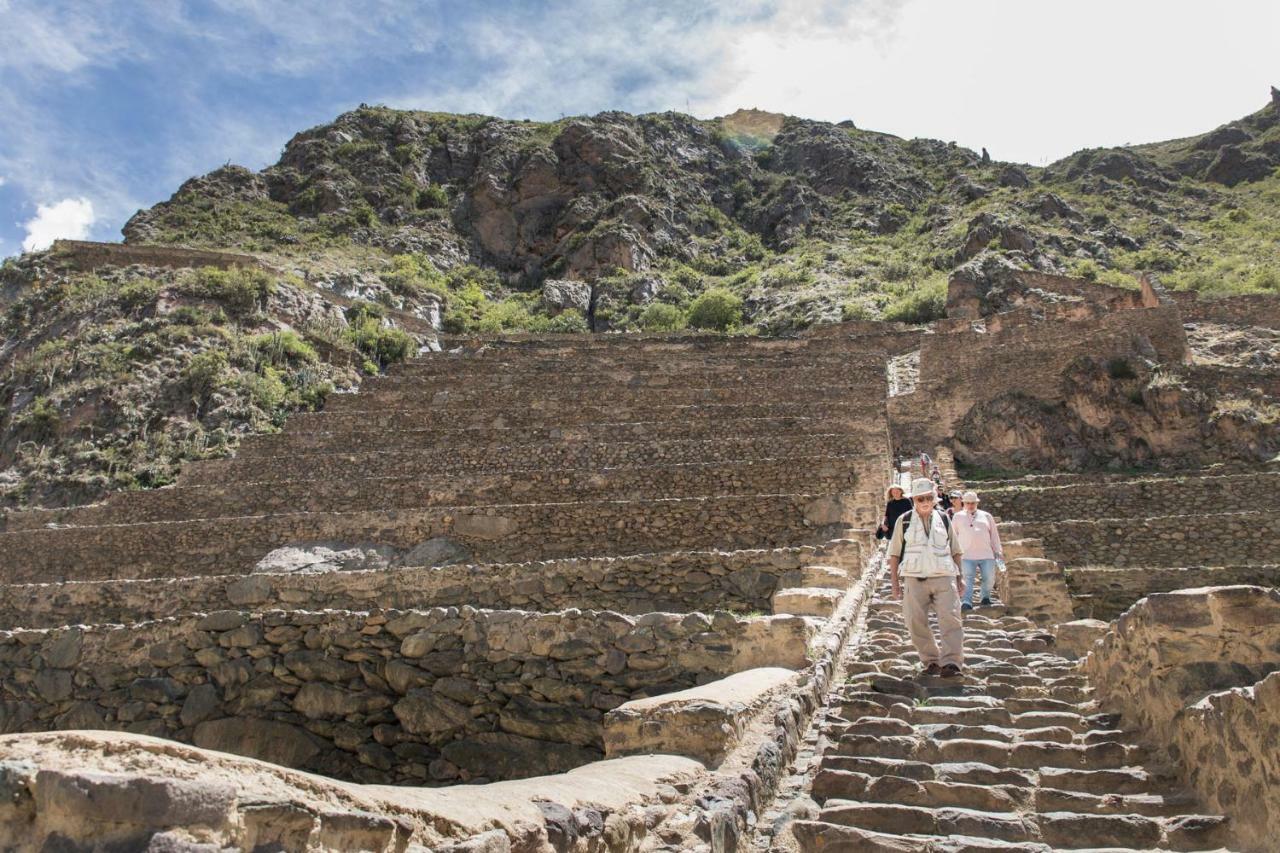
point(979, 548)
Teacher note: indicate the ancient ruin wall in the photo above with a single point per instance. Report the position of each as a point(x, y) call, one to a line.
point(86, 256)
point(1105, 592)
point(741, 581)
point(506, 533)
point(801, 475)
point(1228, 744)
point(415, 697)
point(1019, 352)
point(1234, 538)
point(1169, 652)
point(1134, 497)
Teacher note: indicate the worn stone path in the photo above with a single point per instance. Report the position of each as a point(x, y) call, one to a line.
point(1013, 756)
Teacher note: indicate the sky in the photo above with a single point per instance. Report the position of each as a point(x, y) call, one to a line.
point(107, 106)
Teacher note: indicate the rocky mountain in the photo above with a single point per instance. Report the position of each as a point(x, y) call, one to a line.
point(386, 220)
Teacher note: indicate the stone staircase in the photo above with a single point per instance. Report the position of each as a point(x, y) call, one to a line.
point(1013, 756)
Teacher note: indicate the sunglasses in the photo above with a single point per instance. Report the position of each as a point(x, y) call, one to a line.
point(927, 499)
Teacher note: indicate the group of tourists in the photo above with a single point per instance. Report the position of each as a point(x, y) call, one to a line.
point(941, 549)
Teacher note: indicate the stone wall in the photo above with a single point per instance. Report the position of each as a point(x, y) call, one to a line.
point(1105, 592)
point(421, 697)
point(1233, 538)
point(797, 475)
point(512, 532)
point(961, 367)
point(1172, 650)
point(1228, 744)
point(741, 581)
point(1254, 309)
point(442, 460)
point(87, 256)
point(1139, 496)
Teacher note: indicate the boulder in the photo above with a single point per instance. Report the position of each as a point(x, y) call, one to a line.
point(562, 294)
point(325, 557)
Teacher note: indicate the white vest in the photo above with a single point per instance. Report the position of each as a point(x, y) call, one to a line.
point(928, 552)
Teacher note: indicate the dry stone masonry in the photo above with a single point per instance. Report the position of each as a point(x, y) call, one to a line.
point(620, 593)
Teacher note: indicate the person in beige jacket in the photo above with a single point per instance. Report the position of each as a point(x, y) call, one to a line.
point(924, 568)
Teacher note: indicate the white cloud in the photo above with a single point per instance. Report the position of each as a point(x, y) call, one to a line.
point(3, 181)
point(70, 218)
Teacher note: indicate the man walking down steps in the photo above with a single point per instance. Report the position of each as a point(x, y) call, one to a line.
point(925, 551)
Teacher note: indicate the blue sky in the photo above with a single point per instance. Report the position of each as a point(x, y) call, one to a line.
point(106, 106)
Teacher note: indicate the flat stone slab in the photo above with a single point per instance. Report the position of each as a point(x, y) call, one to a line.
point(825, 577)
point(806, 601)
point(1078, 636)
point(83, 787)
point(703, 722)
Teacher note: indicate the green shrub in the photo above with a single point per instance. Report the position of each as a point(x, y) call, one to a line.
point(569, 321)
point(243, 290)
point(266, 390)
point(432, 198)
point(850, 311)
point(716, 309)
point(284, 349)
point(362, 214)
point(204, 374)
point(412, 275)
point(138, 293)
point(380, 345)
point(924, 304)
point(660, 317)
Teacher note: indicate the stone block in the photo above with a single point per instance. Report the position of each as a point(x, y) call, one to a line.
point(806, 602)
point(1076, 637)
point(703, 722)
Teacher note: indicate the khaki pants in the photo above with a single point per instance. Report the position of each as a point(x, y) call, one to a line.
point(918, 595)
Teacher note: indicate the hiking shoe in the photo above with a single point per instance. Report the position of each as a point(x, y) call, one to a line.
point(966, 607)
point(986, 602)
point(951, 671)
point(933, 670)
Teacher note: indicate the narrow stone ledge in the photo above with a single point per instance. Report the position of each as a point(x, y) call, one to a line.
point(703, 722)
point(806, 602)
point(118, 789)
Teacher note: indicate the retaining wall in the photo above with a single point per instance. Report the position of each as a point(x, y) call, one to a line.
point(512, 532)
point(1240, 538)
point(1172, 650)
point(417, 697)
point(740, 581)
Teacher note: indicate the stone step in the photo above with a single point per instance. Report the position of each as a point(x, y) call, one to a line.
point(675, 581)
point(369, 439)
point(1059, 830)
point(512, 532)
point(631, 397)
point(440, 459)
point(807, 602)
point(564, 375)
point(594, 411)
point(320, 492)
point(817, 835)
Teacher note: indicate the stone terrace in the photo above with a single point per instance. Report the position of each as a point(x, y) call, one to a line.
point(1120, 537)
point(584, 551)
point(638, 446)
